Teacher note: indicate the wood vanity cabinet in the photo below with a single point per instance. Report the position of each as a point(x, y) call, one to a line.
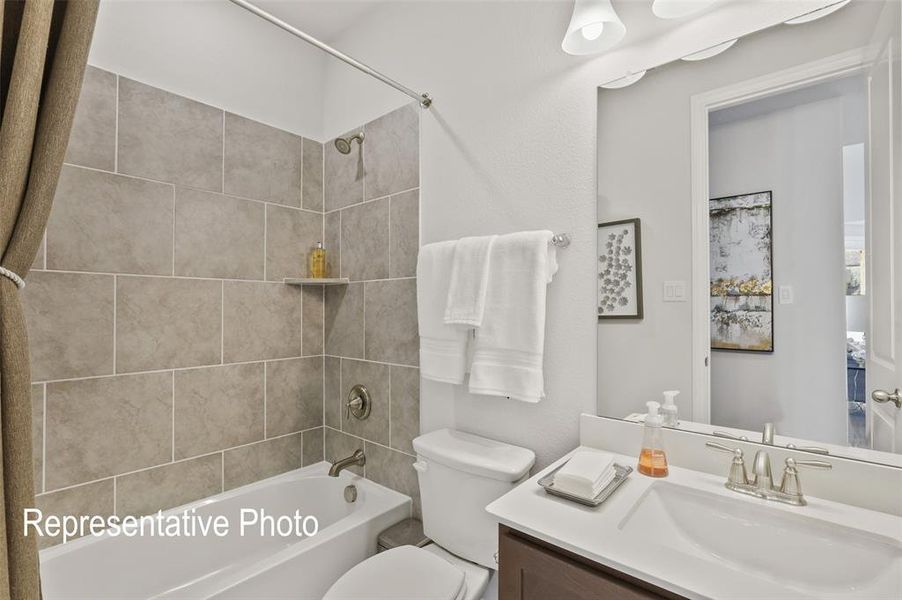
point(530, 569)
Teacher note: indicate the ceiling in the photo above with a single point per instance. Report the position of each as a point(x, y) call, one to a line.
point(323, 19)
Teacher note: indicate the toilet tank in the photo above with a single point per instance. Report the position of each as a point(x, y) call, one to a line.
point(460, 474)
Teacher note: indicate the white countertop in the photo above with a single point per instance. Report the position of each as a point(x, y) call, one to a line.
point(596, 534)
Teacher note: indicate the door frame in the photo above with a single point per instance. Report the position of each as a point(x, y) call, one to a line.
point(831, 67)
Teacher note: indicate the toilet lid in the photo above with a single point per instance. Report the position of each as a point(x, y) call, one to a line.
point(398, 574)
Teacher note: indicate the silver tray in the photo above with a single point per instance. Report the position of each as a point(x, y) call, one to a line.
point(620, 475)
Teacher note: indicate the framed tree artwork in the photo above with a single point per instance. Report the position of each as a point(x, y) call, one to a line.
point(620, 270)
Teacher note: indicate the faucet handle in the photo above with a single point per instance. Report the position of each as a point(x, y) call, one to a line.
point(814, 449)
point(737, 466)
point(791, 484)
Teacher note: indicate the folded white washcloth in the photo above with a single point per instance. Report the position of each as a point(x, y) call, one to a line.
point(469, 280)
point(443, 348)
point(586, 473)
point(509, 347)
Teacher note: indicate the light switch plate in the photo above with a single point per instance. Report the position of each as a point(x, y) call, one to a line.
point(674, 291)
point(786, 296)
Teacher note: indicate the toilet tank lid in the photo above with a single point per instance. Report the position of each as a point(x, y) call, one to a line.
point(474, 454)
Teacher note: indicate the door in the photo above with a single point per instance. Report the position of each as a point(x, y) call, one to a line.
point(884, 239)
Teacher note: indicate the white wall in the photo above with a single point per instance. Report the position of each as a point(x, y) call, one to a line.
point(214, 52)
point(509, 144)
point(796, 153)
point(644, 171)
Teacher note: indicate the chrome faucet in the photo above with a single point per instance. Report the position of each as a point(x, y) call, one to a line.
point(358, 459)
point(761, 484)
point(761, 473)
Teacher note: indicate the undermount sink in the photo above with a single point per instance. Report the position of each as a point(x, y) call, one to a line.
point(797, 550)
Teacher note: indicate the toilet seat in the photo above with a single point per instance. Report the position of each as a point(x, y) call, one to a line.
point(405, 572)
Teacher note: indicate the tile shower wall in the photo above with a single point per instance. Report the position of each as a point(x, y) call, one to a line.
point(169, 362)
point(371, 202)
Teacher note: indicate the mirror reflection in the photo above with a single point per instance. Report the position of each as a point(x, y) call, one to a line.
point(762, 174)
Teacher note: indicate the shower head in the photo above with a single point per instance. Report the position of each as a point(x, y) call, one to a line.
point(343, 145)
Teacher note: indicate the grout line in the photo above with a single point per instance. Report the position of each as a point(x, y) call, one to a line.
point(265, 229)
point(368, 441)
point(115, 499)
point(179, 461)
point(265, 368)
point(389, 406)
point(173, 416)
point(341, 387)
point(222, 182)
point(363, 333)
point(115, 310)
point(222, 323)
point(173, 231)
point(371, 200)
point(156, 276)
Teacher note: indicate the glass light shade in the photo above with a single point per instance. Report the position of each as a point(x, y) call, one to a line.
point(624, 81)
point(817, 14)
point(709, 52)
point(675, 9)
point(594, 28)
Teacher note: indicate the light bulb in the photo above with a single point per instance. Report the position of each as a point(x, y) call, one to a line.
point(592, 31)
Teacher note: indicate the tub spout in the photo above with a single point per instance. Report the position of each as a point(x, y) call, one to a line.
point(358, 458)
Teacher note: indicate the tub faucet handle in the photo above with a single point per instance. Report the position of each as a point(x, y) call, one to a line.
point(359, 402)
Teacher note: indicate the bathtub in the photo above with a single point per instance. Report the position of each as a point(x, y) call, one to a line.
point(252, 566)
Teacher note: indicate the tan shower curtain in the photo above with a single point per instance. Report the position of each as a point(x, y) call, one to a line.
point(43, 52)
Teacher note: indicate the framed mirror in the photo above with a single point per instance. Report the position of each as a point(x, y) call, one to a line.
point(766, 178)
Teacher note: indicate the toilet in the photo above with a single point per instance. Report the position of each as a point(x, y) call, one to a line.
point(459, 475)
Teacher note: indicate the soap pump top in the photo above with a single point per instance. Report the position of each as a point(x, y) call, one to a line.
point(652, 459)
point(669, 410)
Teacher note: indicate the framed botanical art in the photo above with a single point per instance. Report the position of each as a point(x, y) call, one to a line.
point(620, 270)
point(742, 303)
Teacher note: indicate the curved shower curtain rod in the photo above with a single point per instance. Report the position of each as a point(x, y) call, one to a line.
point(424, 99)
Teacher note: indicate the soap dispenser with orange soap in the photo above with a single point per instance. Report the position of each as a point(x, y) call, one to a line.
point(652, 459)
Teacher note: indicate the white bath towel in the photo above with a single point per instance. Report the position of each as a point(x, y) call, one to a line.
point(469, 280)
point(586, 473)
point(443, 348)
point(509, 346)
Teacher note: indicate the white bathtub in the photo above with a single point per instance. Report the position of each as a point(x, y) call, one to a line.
point(252, 566)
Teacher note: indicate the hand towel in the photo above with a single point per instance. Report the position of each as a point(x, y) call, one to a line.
point(509, 346)
point(443, 348)
point(469, 280)
point(586, 473)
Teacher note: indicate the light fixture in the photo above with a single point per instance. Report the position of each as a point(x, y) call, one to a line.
point(624, 81)
point(817, 14)
point(709, 52)
point(675, 9)
point(594, 27)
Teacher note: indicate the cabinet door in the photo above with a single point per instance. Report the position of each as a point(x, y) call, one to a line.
point(529, 571)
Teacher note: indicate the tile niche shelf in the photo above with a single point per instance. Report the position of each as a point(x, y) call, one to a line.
point(316, 281)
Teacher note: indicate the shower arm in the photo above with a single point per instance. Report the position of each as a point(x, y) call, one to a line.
point(424, 99)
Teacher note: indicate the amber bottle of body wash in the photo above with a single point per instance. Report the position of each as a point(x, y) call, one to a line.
point(318, 261)
point(652, 459)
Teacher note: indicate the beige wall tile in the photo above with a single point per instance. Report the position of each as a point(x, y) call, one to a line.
point(91, 499)
point(405, 408)
point(393, 470)
point(70, 324)
point(290, 237)
point(107, 426)
point(261, 460)
point(92, 142)
point(312, 441)
point(332, 241)
point(344, 320)
point(37, 436)
point(405, 234)
point(393, 152)
point(169, 138)
point(106, 222)
point(262, 321)
point(217, 408)
point(340, 445)
point(163, 323)
point(332, 390)
point(392, 333)
point(364, 241)
point(262, 162)
point(218, 235)
point(294, 395)
point(313, 175)
point(313, 320)
point(375, 377)
point(171, 485)
point(343, 175)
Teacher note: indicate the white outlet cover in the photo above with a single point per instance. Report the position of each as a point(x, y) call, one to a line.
point(786, 295)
